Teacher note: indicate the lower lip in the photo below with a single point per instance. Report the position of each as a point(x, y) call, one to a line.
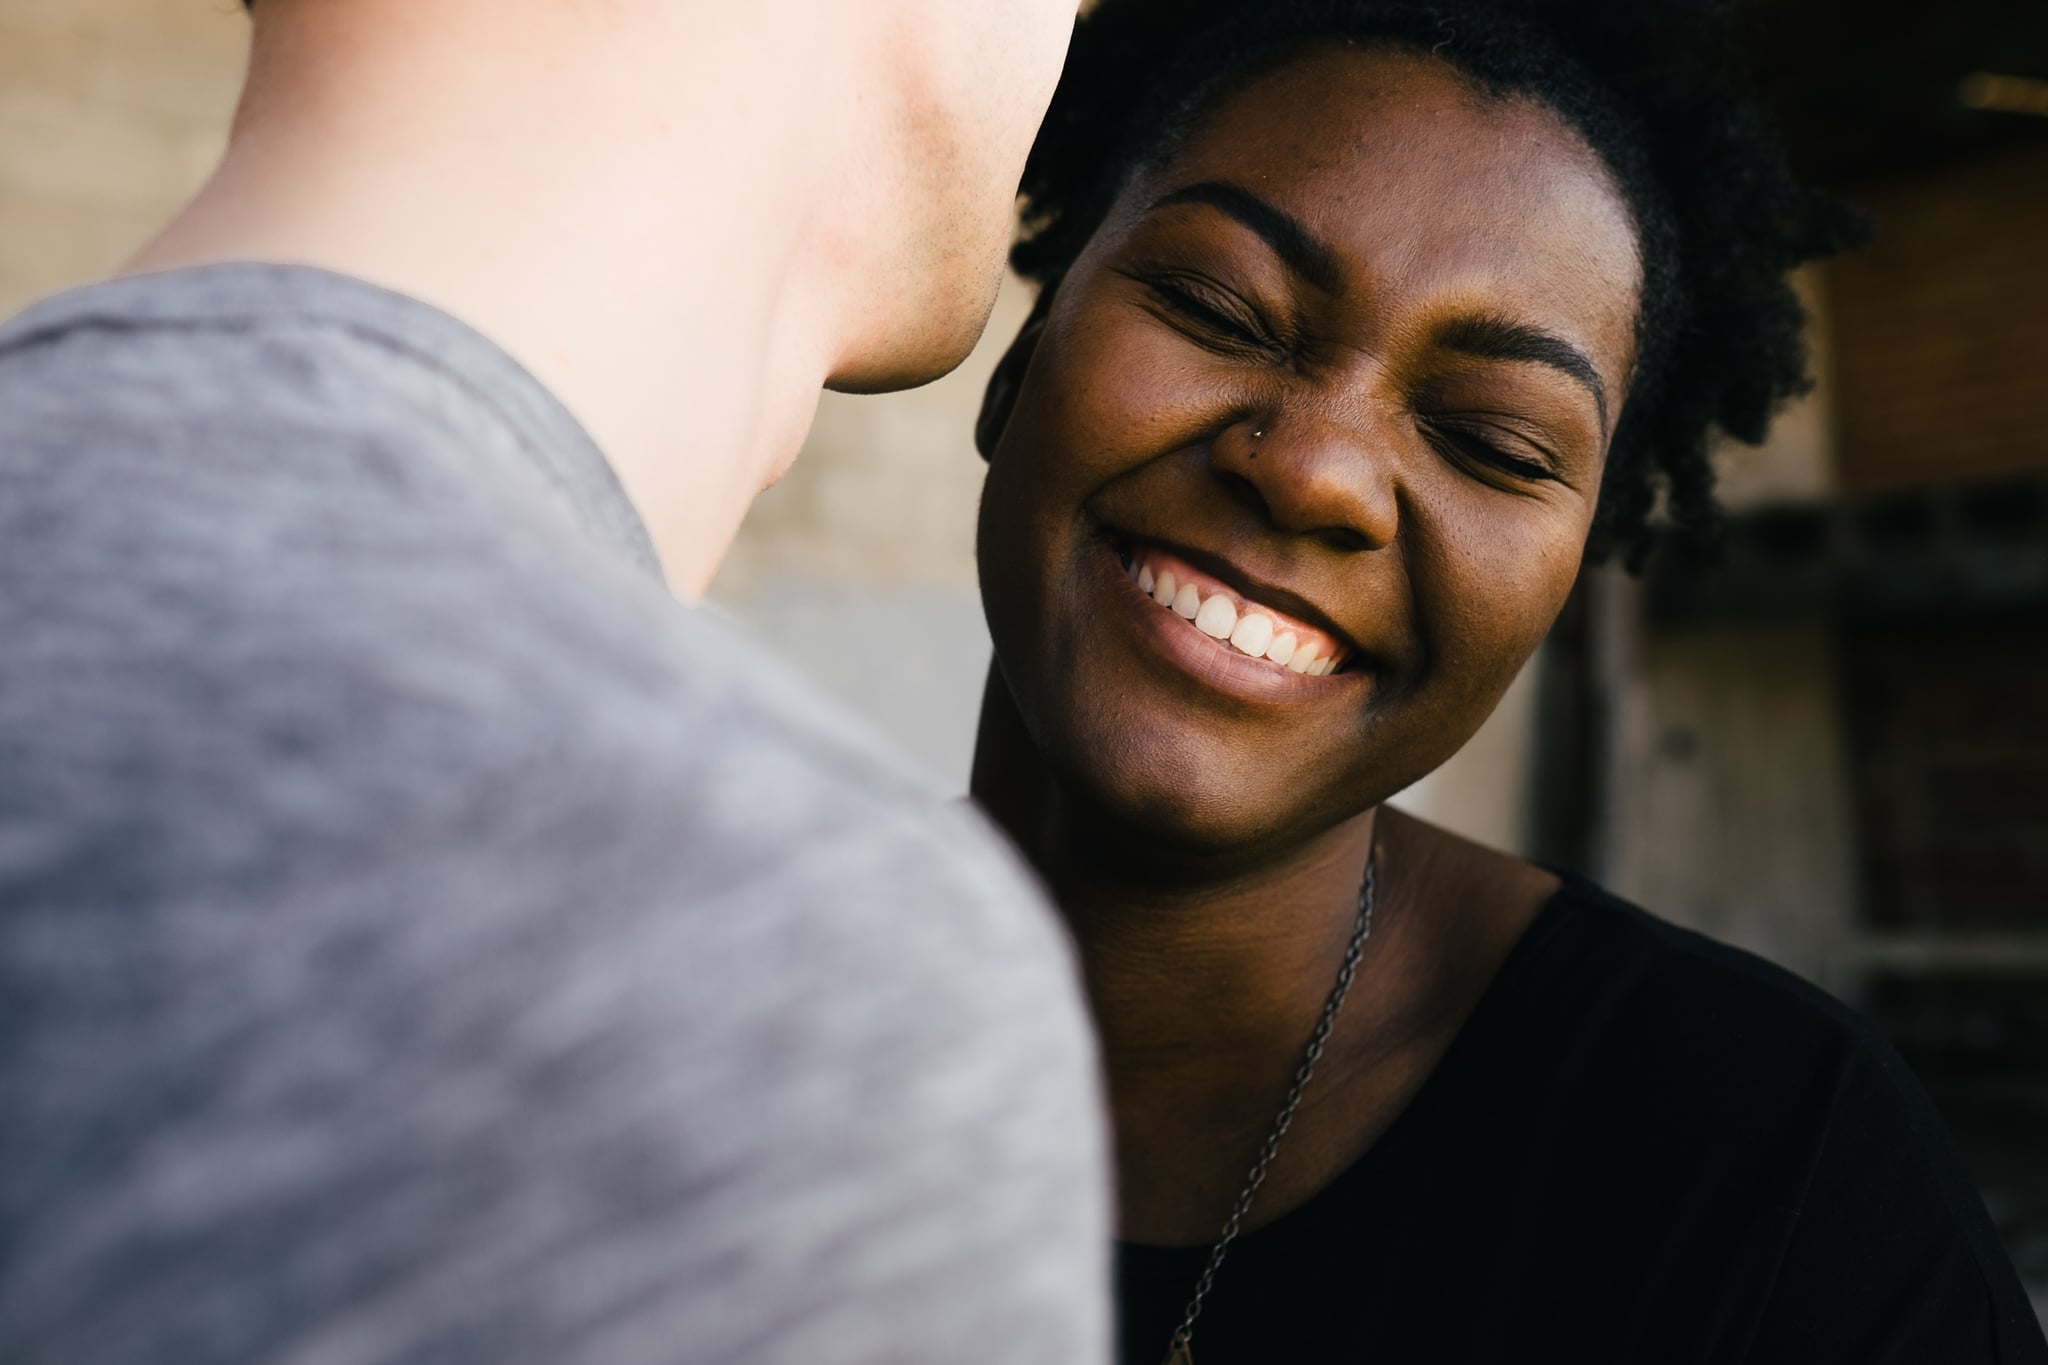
point(1217, 664)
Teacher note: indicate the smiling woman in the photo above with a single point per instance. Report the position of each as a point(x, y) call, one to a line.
point(1360, 326)
point(1427, 391)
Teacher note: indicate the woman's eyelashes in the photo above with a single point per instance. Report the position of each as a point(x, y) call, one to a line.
point(1213, 315)
point(1469, 444)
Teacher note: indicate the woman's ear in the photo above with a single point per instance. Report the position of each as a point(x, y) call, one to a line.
point(1000, 398)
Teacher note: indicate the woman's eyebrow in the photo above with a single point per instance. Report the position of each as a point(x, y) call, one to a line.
point(1492, 337)
point(1302, 251)
point(1485, 335)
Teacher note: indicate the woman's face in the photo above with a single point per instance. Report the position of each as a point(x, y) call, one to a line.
point(1348, 365)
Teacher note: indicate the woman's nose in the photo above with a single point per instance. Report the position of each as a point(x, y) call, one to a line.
point(1316, 472)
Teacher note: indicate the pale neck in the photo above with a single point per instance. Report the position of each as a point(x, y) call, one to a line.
point(649, 264)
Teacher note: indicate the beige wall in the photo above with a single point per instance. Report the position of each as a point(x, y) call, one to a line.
point(110, 112)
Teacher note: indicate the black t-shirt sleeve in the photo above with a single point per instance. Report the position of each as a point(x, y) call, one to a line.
point(1891, 1259)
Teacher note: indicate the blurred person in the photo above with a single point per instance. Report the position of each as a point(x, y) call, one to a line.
point(1360, 325)
point(420, 937)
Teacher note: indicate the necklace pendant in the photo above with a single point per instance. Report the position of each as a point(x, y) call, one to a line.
point(1180, 1353)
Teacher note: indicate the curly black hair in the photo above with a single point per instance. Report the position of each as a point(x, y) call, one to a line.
point(1654, 87)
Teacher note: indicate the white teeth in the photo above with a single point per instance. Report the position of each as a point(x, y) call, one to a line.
point(1252, 633)
point(1217, 617)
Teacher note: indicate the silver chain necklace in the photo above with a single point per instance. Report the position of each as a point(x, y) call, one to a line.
point(1181, 1350)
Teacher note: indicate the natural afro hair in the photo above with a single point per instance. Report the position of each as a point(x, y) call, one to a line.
point(1652, 86)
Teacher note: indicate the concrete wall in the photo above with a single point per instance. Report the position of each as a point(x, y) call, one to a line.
point(1731, 810)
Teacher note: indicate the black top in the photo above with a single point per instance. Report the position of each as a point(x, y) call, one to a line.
point(1644, 1147)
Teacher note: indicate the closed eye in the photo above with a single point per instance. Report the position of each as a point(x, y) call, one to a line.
point(1218, 316)
point(1468, 444)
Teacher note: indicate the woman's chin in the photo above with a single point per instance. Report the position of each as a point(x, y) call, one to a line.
point(1155, 800)
point(1212, 801)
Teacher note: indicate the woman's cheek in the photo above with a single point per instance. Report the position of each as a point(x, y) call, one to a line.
point(1491, 579)
point(1128, 388)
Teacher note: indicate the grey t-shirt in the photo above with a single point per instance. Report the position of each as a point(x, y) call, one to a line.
point(421, 939)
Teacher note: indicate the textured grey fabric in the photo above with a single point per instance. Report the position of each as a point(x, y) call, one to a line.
point(423, 940)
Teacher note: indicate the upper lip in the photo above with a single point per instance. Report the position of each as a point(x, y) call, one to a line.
point(1253, 587)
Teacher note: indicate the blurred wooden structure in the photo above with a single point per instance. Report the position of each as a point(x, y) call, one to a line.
point(1832, 748)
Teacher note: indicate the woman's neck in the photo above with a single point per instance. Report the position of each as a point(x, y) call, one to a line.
point(1189, 957)
point(1207, 976)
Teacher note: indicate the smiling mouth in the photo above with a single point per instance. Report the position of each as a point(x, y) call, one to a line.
point(1227, 617)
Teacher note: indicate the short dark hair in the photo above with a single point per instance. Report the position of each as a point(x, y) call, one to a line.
point(1654, 88)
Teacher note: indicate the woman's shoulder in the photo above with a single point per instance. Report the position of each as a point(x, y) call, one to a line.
point(1717, 1047)
point(1710, 1073)
point(1766, 1073)
point(1569, 956)
point(1609, 964)
point(1678, 983)
point(1648, 1022)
